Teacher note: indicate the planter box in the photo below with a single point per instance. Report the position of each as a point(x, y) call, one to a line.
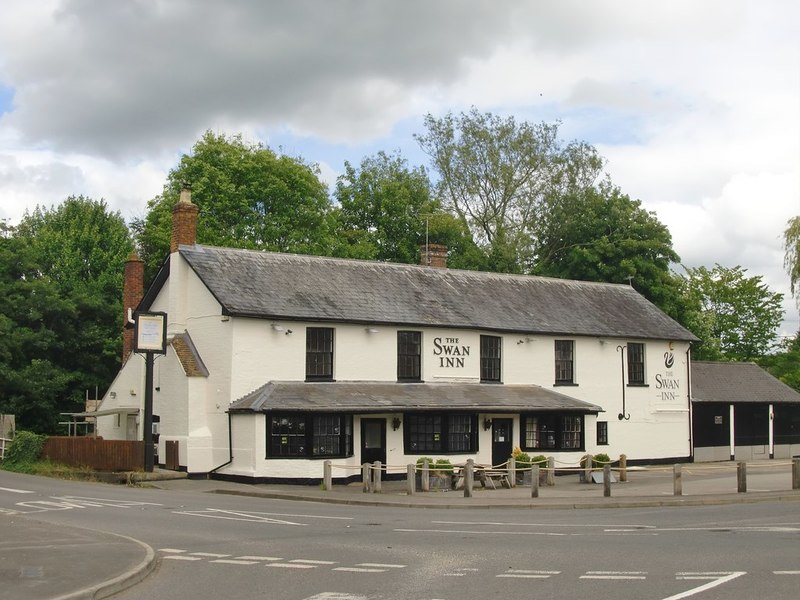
point(436, 482)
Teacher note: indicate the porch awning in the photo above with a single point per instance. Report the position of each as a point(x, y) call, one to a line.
point(378, 397)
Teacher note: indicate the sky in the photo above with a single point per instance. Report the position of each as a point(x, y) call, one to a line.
point(695, 105)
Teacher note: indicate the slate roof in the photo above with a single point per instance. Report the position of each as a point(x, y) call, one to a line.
point(374, 397)
point(312, 288)
point(732, 382)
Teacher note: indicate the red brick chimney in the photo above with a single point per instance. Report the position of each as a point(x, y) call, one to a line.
point(433, 255)
point(132, 293)
point(184, 221)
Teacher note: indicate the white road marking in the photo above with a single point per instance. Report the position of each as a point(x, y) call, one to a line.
point(231, 561)
point(336, 596)
point(615, 575)
point(720, 578)
point(291, 566)
point(95, 502)
point(176, 550)
point(527, 574)
point(786, 572)
point(261, 558)
point(8, 511)
point(483, 532)
point(572, 525)
point(179, 557)
point(209, 554)
point(381, 566)
point(313, 562)
point(454, 574)
point(358, 570)
point(16, 491)
point(213, 513)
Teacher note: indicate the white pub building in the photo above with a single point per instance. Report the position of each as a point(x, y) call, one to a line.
point(277, 362)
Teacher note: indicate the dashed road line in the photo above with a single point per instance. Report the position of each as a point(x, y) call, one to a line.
point(182, 557)
point(260, 558)
point(312, 562)
point(614, 575)
point(281, 565)
point(718, 579)
point(209, 554)
point(786, 572)
point(527, 574)
point(358, 570)
point(381, 566)
point(234, 561)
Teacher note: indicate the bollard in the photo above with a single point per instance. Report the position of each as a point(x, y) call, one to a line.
point(588, 461)
point(365, 478)
point(623, 467)
point(551, 471)
point(512, 472)
point(469, 477)
point(606, 480)
point(677, 481)
point(535, 481)
point(411, 487)
point(741, 477)
point(425, 477)
point(327, 476)
point(796, 473)
point(376, 477)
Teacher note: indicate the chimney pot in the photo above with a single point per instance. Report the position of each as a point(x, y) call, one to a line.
point(132, 293)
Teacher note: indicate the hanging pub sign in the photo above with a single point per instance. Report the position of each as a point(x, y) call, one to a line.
point(150, 332)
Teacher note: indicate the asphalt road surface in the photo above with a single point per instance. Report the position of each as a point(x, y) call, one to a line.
point(236, 547)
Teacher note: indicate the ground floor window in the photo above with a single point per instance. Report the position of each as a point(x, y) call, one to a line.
point(440, 433)
point(602, 433)
point(551, 431)
point(787, 424)
point(309, 435)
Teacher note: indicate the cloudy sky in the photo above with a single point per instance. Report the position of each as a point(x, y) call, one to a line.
point(694, 104)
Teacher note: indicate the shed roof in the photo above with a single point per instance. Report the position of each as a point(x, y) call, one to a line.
point(732, 382)
point(313, 288)
point(374, 397)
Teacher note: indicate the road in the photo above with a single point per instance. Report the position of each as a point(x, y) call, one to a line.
point(236, 547)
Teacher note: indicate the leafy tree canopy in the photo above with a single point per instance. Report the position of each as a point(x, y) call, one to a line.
point(386, 211)
point(791, 259)
point(495, 175)
point(600, 234)
point(60, 309)
point(735, 316)
point(249, 197)
point(785, 362)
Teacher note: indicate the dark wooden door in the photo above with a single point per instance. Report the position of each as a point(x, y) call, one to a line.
point(373, 440)
point(502, 444)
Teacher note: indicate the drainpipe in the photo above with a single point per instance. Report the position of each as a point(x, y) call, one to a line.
point(689, 400)
point(230, 449)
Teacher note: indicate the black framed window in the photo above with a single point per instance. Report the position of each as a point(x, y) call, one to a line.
point(602, 433)
point(565, 362)
point(552, 431)
point(635, 363)
point(490, 358)
point(309, 435)
point(319, 354)
point(409, 352)
point(440, 433)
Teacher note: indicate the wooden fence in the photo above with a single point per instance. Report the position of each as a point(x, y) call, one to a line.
point(97, 453)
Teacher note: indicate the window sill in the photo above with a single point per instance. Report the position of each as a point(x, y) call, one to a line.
point(491, 381)
point(565, 384)
point(638, 385)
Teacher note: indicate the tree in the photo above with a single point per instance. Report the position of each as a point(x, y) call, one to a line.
point(386, 211)
point(249, 197)
point(785, 362)
point(735, 316)
point(495, 174)
point(601, 234)
point(792, 257)
point(382, 209)
point(60, 306)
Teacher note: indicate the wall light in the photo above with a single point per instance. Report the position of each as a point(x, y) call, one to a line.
point(288, 331)
point(396, 423)
point(277, 327)
point(487, 424)
point(371, 330)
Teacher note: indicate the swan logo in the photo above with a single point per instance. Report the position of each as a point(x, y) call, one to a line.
point(669, 359)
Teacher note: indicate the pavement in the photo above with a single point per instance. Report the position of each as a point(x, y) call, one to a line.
point(45, 561)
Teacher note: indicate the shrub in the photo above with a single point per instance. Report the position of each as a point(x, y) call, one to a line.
point(25, 448)
point(523, 460)
point(443, 467)
point(421, 462)
point(539, 459)
point(600, 460)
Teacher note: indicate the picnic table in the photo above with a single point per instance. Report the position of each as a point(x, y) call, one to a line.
point(486, 475)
